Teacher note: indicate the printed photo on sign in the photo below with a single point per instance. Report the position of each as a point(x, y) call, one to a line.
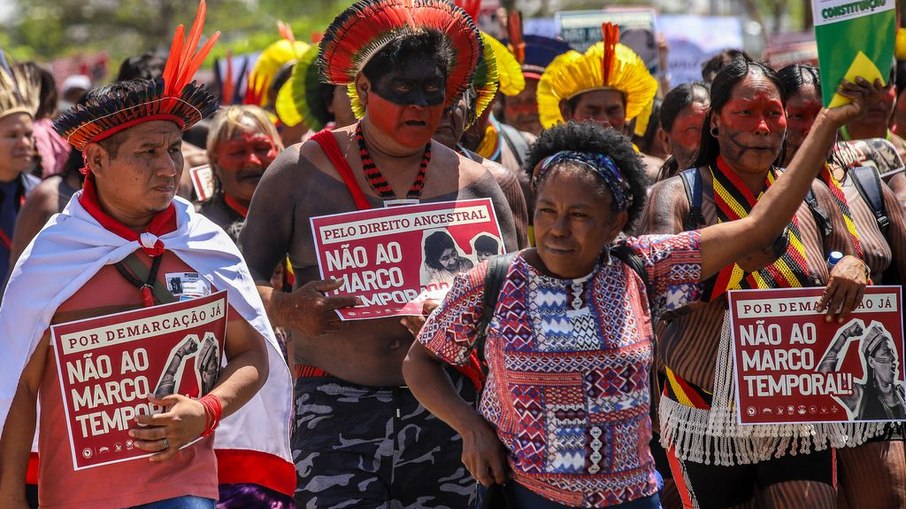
point(109, 366)
point(792, 366)
point(187, 285)
point(395, 258)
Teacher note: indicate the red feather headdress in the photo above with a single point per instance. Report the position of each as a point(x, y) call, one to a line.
point(368, 25)
point(172, 97)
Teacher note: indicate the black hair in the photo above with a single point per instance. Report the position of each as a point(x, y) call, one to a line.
point(714, 64)
point(796, 76)
point(592, 137)
point(146, 66)
point(325, 95)
point(721, 91)
point(435, 245)
point(397, 52)
point(283, 75)
point(73, 165)
point(680, 98)
point(486, 244)
point(676, 100)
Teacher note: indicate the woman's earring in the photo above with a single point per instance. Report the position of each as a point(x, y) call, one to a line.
point(714, 131)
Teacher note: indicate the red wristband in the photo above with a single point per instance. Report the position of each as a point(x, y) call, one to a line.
point(213, 409)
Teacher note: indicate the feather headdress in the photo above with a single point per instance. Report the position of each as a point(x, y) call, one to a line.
point(20, 89)
point(299, 99)
point(364, 28)
point(605, 65)
point(284, 52)
point(509, 77)
point(486, 80)
point(533, 52)
point(171, 97)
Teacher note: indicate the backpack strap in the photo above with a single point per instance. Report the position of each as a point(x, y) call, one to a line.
point(692, 183)
point(513, 138)
point(822, 219)
point(493, 283)
point(626, 255)
point(868, 183)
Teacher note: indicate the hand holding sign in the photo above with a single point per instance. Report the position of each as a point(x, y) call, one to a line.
point(844, 289)
point(415, 323)
point(862, 94)
point(313, 313)
point(164, 433)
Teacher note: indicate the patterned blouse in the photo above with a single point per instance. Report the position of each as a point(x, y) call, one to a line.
point(569, 362)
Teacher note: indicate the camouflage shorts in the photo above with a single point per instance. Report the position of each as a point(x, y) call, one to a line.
point(375, 447)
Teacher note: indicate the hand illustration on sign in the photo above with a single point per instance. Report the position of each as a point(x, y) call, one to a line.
point(207, 364)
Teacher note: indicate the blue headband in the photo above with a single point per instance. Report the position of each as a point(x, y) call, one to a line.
point(601, 165)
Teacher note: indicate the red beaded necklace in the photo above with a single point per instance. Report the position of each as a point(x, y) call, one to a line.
point(377, 181)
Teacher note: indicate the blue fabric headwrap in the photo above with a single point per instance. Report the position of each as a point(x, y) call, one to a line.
point(603, 166)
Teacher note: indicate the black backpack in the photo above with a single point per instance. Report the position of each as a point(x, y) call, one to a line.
point(868, 183)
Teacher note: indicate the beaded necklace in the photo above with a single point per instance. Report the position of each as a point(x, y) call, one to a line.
point(377, 181)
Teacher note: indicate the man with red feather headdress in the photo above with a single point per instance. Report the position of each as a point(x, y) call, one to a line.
point(361, 437)
point(103, 255)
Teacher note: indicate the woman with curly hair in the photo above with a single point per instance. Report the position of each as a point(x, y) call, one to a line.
point(564, 410)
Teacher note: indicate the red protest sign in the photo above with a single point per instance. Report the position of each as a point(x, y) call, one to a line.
point(109, 365)
point(395, 257)
point(792, 366)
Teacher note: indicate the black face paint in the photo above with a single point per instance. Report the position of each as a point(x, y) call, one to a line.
point(419, 83)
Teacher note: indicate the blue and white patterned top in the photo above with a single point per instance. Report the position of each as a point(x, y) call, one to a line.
point(569, 363)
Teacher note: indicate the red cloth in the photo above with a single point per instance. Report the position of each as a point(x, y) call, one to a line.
point(163, 222)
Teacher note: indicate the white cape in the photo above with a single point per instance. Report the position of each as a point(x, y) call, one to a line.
point(73, 247)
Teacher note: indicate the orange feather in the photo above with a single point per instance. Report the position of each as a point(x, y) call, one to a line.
point(514, 30)
point(286, 31)
point(611, 34)
point(170, 69)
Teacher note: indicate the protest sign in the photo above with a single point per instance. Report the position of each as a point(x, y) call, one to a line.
point(202, 181)
point(581, 29)
point(793, 366)
point(395, 257)
point(108, 366)
point(855, 39)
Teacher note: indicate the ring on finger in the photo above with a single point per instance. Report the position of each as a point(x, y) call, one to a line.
point(166, 443)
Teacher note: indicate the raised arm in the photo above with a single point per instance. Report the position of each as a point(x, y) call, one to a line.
point(726, 243)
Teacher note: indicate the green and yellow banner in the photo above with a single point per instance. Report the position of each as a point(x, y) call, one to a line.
point(855, 39)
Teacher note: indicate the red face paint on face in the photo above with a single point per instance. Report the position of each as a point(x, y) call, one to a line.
point(751, 125)
point(240, 162)
point(801, 111)
point(686, 133)
point(410, 126)
point(521, 110)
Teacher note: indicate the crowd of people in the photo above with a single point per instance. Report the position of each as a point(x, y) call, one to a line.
point(596, 370)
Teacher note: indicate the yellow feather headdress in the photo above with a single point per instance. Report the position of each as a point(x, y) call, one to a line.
point(574, 73)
